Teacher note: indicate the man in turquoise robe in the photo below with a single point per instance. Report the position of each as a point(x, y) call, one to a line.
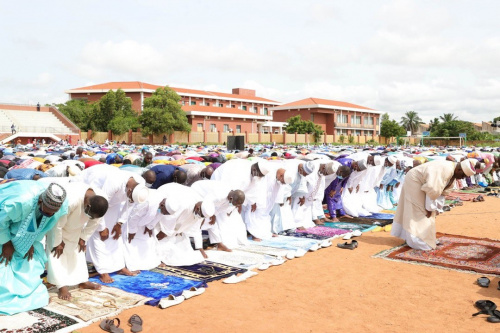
point(28, 210)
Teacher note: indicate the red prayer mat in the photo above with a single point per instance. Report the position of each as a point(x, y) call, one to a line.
point(481, 255)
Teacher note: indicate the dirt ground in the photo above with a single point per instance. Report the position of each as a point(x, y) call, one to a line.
point(344, 290)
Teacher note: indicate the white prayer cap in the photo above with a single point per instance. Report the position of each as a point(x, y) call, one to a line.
point(140, 194)
point(207, 208)
point(362, 164)
point(288, 177)
point(468, 167)
point(308, 167)
point(392, 159)
point(72, 171)
point(377, 159)
point(172, 206)
point(264, 167)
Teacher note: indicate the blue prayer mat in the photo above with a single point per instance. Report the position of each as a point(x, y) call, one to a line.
point(151, 284)
point(348, 226)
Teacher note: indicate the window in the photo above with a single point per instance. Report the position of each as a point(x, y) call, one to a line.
point(341, 132)
point(193, 103)
point(183, 102)
point(244, 107)
point(199, 127)
point(356, 120)
point(312, 117)
point(207, 104)
point(368, 120)
point(226, 128)
point(233, 106)
point(238, 128)
point(266, 112)
point(221, 105)
point(357, 132)
point(378, 122)
point(342, 118)
point(255, 109)
point(213, 128)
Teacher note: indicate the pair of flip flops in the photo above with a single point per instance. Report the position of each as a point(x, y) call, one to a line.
point(489, 308)
point(233, 279)
point(479, 198)
point(109, 325)
point(350, 246)
point(355, 233)
point(484, 282)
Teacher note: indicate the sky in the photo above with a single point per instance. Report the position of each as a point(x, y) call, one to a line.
point(432, 57)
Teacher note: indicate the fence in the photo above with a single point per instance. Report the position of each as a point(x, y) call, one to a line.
point(221, 137)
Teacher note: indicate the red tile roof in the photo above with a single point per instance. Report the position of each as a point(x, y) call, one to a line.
point(141, 85)
point(319, 101)
point(220, 110)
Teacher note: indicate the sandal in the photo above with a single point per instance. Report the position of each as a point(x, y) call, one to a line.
point(108, 325)
point(485, 307)
point(483, 281)
point(136, 322)
point(495, 317)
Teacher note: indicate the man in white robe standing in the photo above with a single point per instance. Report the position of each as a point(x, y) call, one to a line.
point(228, 230)
point(66, 242)
point(413, 221)
point(122, 189)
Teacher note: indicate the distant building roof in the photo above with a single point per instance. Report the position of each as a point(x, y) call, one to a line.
point(137, 86)
point(313, 102)
point(222, 112)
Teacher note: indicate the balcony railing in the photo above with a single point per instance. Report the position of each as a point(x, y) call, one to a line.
point(36, 129)
point(360, 126)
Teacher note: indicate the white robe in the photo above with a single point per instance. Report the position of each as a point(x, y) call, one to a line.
point(107, 256)
point(71, 267)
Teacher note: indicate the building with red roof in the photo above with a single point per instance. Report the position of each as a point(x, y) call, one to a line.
point(334, 117)
point(238, 112)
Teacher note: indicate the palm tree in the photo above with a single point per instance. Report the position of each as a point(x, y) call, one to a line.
point(447, 117)
point(433, 124)
point(410, 121)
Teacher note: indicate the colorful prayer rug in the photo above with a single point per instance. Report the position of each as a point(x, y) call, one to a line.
point(327, 232)
point(289, 243)
point(88, 304)
point(151, 284)
point(464, 253)
point(35, 321)
point(205, 272)
point(461, 196)
point(297, 234)
point(347, 226)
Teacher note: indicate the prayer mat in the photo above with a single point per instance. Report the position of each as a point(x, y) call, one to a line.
point(327, 232)
point(461, 196)
point(271, 251)
point(36, 321)
point(463, 253)
point(205, 272)
point(88, 304)
point(297, 234)
point(348, 226)
point(240, 259)
point(289, 243)
point(151, 284)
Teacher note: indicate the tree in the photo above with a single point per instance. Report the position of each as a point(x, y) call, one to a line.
point(80, 112)
point(410, 121)
point(163, 114)
point(455, 127)
point(446, 117)
point(297, 125)
point(495, 120)
point(433, 124)
point(384, 117)
point(390, 128)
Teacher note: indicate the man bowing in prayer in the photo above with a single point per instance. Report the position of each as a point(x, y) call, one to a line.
point(28, 210)
point(413, 221)
point(66, 242)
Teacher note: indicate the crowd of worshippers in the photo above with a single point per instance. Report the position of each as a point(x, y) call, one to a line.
point(136, 209)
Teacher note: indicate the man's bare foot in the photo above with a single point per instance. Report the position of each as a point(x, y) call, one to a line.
point(89, 285)
point(162, 265)
point(127, 272)
point(318, 222)
point(64, 293)
point(222, 247)
point(335, 220)
point(203, 254)
point(275, 235)
point(106, 278)
point(301, 228)
point(347, 216)
point(256, 239)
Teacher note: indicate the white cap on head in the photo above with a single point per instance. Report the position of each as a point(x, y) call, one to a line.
point(393, 159)
point(208, 208)
point(140, 194)
point(264, 167)
point(468, 167)
point(377, 159)
point(74, 171)
point(172, 206)
point(288, 176)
